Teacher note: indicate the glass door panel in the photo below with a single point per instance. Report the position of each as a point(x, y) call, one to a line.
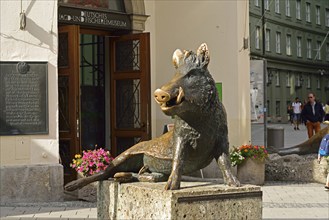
point(92, 91)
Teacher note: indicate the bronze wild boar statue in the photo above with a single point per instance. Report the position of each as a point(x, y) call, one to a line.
point(199, 134)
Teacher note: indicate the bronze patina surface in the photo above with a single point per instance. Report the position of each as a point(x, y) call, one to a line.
point(200, 132)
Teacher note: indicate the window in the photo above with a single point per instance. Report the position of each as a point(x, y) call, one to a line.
point(327, 17)
point(267, 40)
point(288, 8)
point(277, 78)
point(317, 15)
point(257, 3)
point(318, 50)
point(268, 108)
point(309, 49)
point(257, 38)
point(327, 52)
point(308, 12)
point(277, 108)
point(298, 9)
point(288, 45)
point(299, 47)
point(113, 5)
point(288, 83)
point(318, 83)
point(277, 6)
point(266, 5)
point(278, 42)
point(308, 82)
point(298, 80)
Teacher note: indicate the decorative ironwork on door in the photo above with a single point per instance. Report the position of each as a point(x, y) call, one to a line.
point(128, 104)
point(127, 55)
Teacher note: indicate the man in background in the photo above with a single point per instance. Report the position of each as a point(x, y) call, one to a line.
point(312, 115)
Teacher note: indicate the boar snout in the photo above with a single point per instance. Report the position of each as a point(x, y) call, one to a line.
point(161, 96)
point(167, 101)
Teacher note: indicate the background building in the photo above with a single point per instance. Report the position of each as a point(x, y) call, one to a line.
point(292, 35)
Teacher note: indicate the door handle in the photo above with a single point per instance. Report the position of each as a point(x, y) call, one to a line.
point(78, 128)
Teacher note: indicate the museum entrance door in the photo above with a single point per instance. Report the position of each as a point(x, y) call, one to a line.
point(130, 91)
point(104, 92)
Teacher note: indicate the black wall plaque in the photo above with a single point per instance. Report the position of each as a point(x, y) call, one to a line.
point(23, 98)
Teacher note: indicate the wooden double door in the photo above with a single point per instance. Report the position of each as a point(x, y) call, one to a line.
point(103, 92)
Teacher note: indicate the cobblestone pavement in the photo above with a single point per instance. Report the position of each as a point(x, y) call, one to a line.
point(289, 200)
point(52, 210)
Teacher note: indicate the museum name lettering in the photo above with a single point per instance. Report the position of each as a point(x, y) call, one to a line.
point(93, 18)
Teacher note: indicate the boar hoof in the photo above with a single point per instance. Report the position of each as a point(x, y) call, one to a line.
point(123, 177)
point(73, 185)
point(233, 181)
point(173, 183)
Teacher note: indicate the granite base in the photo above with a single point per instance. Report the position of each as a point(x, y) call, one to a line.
point(195, 200)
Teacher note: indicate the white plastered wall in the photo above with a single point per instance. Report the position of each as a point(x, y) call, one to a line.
point(220, 24)
point(38, 42)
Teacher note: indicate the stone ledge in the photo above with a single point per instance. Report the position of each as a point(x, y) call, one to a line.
point(301, 168)
point(31, 183)
point(195, 200)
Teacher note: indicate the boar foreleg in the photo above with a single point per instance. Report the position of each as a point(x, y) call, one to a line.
point(177, 164)
point(225, 167)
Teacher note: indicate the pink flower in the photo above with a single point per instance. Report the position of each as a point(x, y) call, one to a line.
point(92, 161)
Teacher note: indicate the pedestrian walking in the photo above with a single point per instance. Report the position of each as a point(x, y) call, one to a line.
point(324, 151)
point(290, 111)
point(297, 109)
point(326, 111)
point(312, 114)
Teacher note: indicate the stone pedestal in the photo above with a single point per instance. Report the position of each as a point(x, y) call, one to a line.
point(195, 200)
point(251, 172)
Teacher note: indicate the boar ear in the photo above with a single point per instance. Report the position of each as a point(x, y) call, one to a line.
point(177, 58)
point(203, 55)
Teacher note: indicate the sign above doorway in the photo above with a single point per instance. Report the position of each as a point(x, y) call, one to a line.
point(94, 18)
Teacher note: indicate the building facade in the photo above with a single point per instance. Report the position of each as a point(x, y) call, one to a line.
point(103, 61)
point(292, 36)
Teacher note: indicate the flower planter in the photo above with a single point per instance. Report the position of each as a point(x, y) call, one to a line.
point(251, 172)
point(89, 163)
point(89, 192)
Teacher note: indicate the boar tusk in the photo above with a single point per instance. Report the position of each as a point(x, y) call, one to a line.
point(180, 95)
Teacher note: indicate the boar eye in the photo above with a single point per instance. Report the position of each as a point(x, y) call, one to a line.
point(190, 75)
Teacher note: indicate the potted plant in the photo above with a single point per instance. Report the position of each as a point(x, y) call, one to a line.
point(87, 164)
point(250, 162)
